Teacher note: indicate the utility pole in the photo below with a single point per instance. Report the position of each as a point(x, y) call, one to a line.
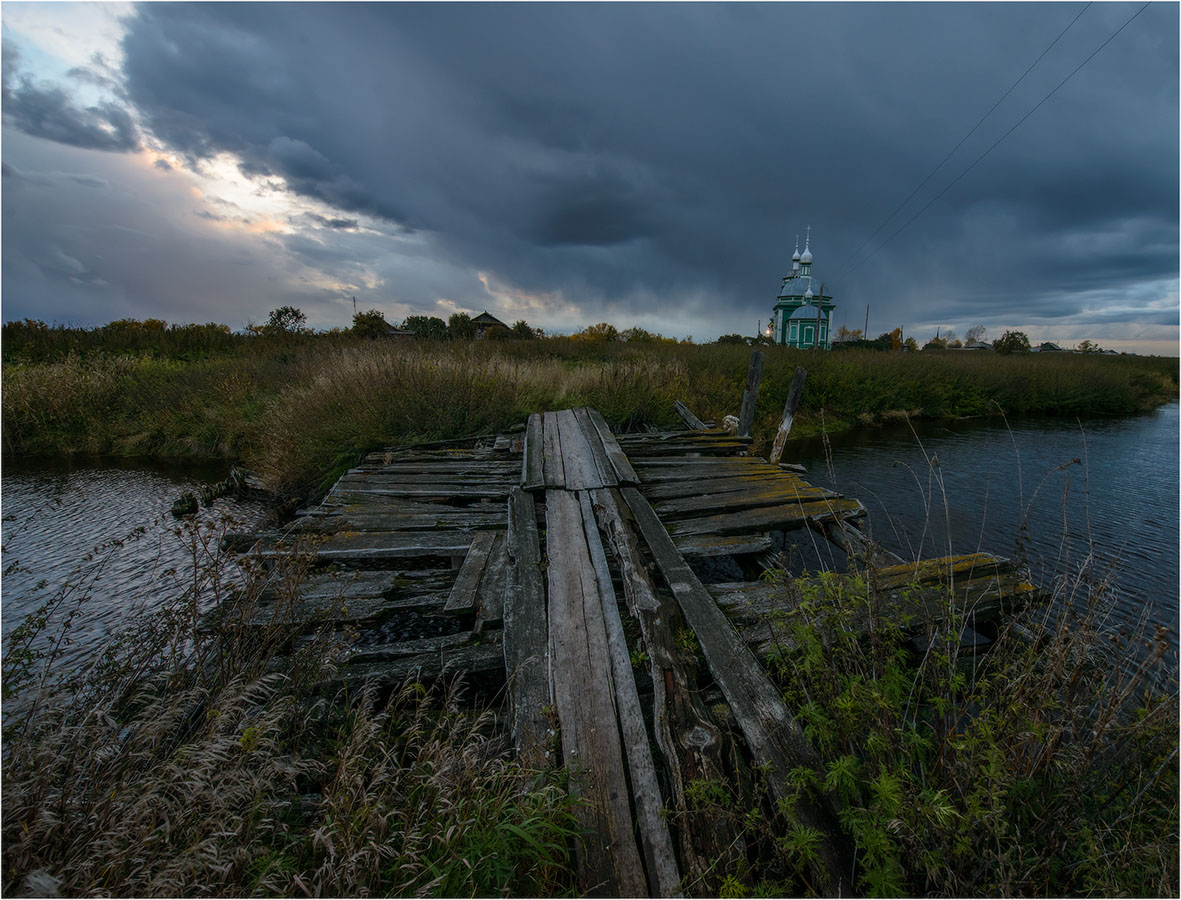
point(819, 308)
point(354, 307)
point(865, 334)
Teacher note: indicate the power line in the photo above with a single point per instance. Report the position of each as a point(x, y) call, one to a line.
point(931, 202)
point(931, 174)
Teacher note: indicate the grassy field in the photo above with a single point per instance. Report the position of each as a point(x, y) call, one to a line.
point(300, 408)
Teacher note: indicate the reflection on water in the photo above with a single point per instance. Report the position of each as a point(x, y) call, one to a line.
point(106, 532)
point(1106, 486)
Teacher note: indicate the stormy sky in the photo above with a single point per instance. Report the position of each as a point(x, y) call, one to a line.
point(643, 164)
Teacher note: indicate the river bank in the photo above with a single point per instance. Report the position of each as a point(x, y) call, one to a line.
point(300, 412)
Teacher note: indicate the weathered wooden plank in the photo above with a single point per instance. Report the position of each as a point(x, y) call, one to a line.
point(660, 860)
point(608, 861)
point(703, 545)
point(442, 467)
point(301, 612)
point(578, 461)
point(383, 478)
point(490, 596)
point(416, 647)
point(553, 471)
point(349, 492)
point(680, 488)
point(687, 416)
point(532, 473)
point(685, 733)
point(656, 464)
point(711, 448)
point(696, 438)
point(463, 593)
point(459, 519)
point(764, 493)
point(384, 545)
point(607, 474)
point(774, 737)
point(764, 518)
point(750, 393)
point(482, 659)
point(526, 633)
point(624, 473)
point(789, 414)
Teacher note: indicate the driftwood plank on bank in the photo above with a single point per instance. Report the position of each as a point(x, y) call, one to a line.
point(526, 633)
point(773, 736)
point(608, 862)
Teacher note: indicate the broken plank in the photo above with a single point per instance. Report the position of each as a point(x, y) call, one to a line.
point(624, 472)
point(757, 480)
point(704, 545)
point(463, 593)
point(376, 521)
point(475, 491)
point(384, 545)
point(684, 731)
point(750, 394)
point(490, 596)
point(749, 495)
point(660, 860)
point(472, 660)
point(774, 737)
point(526, 633)
point(416, 647)
point(690, 420)
point(764, 518)
point(607, 474)
point(532, 476)
point(789, 414)
point(608, 861)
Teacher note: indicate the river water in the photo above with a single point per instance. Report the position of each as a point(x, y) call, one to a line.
point(73, 530)
point(1099, 494)
point(1105, 486)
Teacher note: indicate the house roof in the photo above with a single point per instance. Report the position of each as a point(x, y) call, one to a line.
point(486, 320)
point(807, 312)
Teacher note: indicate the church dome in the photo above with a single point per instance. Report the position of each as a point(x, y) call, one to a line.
point(807, 256)
point(807, 312)
point(808, 294)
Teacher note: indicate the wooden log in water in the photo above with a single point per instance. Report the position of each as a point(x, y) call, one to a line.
point(750, 394)
point(773, 736)
point(608, 860)
point(526, 634)
point(789, 414)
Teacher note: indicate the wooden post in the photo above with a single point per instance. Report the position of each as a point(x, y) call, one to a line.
point(789, 414)
point(753, 373)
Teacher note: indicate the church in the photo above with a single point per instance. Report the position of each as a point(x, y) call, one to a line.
point(802, 316)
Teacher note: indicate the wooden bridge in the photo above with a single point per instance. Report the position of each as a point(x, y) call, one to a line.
point(578, 568)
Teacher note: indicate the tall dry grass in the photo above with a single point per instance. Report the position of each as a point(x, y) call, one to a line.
point(210, 756)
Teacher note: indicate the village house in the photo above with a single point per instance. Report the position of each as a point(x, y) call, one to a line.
point(485, 322)
point(802, 315)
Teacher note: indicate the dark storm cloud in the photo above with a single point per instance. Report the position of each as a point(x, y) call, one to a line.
point(48, 112)
point(634, 154)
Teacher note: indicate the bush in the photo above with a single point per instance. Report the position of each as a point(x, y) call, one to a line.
point(1011, 342)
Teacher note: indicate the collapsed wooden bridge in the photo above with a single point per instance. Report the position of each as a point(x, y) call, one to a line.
point(580, 569)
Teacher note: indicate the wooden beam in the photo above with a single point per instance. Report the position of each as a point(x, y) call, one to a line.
point(608, 859)
point(691, 421)
point(463, 592)
point(789, 413)
point(490, 595)
point(553, 473)
point(750, 394)
point(526, 633)
point(619, 461)
point(660, 860)
point(578, 460)
point(765, 518)
point(701, 545)
point(607, 474)
point(774, 737)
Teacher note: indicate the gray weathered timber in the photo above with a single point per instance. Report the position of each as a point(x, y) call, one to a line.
point(856, 545)
point(774, 737)
point(463, 593)
point(789, 414)
point(764, 518)
point(691, 421)
point(750, 393)
point(659, 857)
point(669, 483)
point(624, 473)
point(303, 613)
point(656, 463)
point(553, 471)
point(532, 473)
point(358, 519)
point(377, 545)
point(702, 545)
point(353, 492)
point(748, 496)
point(607, 475)
point(483, 659)
point(685, 733)
point(578, 460)
point(609, 862)
point(443, 467)
point(417, 647)
point(694, 439)
point(729, 447)
point(490, 596)
point(526, 633)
